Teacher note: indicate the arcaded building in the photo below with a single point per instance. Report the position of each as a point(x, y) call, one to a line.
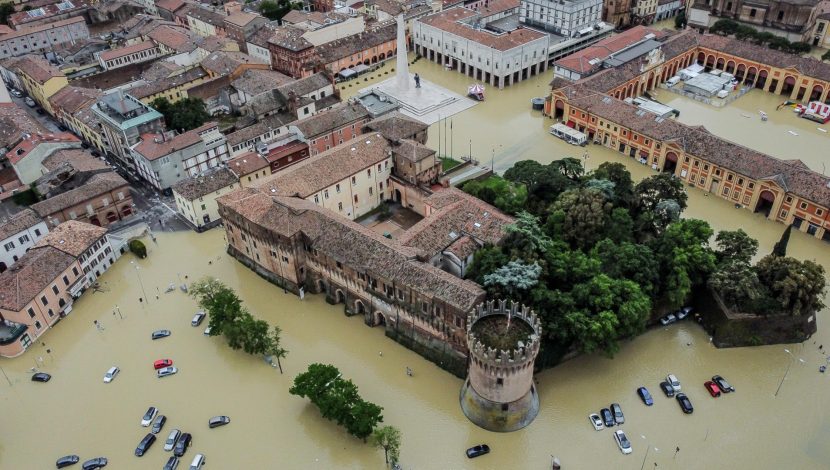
point(784, 190)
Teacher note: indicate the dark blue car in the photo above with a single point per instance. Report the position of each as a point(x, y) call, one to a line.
point(645, 396)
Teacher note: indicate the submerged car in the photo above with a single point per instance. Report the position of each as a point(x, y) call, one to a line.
point(622, 441)
point(145, 444)
point(723, 385)
point(478, 451)
point(158, 334)
point(619, 417)
point(172, 463)
point(162, 363)
point(198, 462)
point(667, 389)
point(596, 422)
point(712, 388)
point(41, 377)
point(198, 318)
point(166, 371)
point(645, 396)
point(217, 421)
point(185, 440)
point(685, 403)
point(607, 417)
point(171, 440)
point(149, 416)
point(158, 424)
point(668, 319)
point(67, 460)
point(672, 380)
point(94, 464)
point(111, 373)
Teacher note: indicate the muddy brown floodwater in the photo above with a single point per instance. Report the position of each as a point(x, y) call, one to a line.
point(270, 429)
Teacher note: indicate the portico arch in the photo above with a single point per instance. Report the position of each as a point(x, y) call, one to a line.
point(670, 163)
point(765, 201)
point(730, 66)
point(789, 85)
point(815, 95)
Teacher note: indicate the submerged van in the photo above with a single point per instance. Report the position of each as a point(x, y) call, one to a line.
point(672, 81)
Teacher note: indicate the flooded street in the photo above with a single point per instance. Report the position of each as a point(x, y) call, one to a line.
point(270, 429)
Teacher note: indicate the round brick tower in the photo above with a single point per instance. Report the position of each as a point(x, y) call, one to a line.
point(503, 340)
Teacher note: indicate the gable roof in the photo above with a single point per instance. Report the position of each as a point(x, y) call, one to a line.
point(30, 275)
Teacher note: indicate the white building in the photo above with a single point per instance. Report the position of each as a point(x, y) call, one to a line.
point(163, 161)
point(568, 18)
point(667, 9)
point(455, 39)
point(19, 233)
point(89, 244)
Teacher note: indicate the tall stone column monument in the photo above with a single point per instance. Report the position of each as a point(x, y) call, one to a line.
point(402, 64)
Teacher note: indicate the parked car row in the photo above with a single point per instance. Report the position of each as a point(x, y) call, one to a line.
point(607, 417)
point(676, 316)
point(91, 464)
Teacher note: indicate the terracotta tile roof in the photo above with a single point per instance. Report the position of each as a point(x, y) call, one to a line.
point(580, 61)
point(458, 214)
point(273, 121)
point(351, 244)
point(72, 237)
point(25, 146)
point(294, 17)
point(18, 222)
point(344, 47)
point(335, 118)
point(255, 81)
point(170, 5)
point(206, 183)
point(396, 126)
point(498, 6)
point(241, 18)
point(177, 39)
point(463, 247)
point(72, 98)
point(412, 150)
point(327, 168)
point(78, 159)
point(125, 51)
point(247, 163)
point(32, 274)
point(14, 122)
point(207, 16)
point(452, 21)
point(115, 77)
point(291, 38)
point(97, 185)
point(27, 30)
point(809, 66)
point(305, 86)
point(225, 63)
point(262, 35)
point(153, 146)
point(168, 83)
point(37, 68)
point(217, 43)
point(161, 69)
point(209, 89)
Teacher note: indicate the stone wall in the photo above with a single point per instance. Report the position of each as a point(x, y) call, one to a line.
point(733, 329)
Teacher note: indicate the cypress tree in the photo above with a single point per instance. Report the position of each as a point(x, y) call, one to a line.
point(780, 248)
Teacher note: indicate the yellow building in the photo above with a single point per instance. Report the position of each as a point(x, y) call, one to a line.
point(350, 179)
point(40, 79)
point(172, 88)
point(250, 168)
point(196, 196)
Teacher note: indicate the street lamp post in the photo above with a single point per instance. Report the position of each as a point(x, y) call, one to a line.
point(117, 309)
point(646, 456)
point(787, 370)
point(139, 280)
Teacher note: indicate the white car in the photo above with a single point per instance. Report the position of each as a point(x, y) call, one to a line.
point(198, 461)
point(596, 421)
point(149, 416)
point(672, 380)
point(30, 102)
point(165, 371)
point(171, 440)
point(622, 441)
point(111, 373)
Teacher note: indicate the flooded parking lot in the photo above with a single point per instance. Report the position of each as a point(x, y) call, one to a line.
point(77, 413)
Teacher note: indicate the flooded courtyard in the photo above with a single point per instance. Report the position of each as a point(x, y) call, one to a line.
point(270, 429)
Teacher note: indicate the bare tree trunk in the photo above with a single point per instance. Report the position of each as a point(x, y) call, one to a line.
point(279, 364)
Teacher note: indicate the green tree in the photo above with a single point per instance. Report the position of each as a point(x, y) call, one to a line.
point(745, 32)
point(680, 20)
point(509, 280)
point(223, 306)
point(630, 261)
point(735, 246)
point(797, 285)
point(737, 283)
point(485, 261)
point(337, 399)
point(654, 189)
point(388, 438)
point(579, 217)
point(275, 10)
point(685, 258)
point(137, 248)
point(570, 167)
point(6, 9)
point(724, 27)
point(275, 349)
point(183, 115)
point(780, 248)
point(503, 194)
point(618, 174)
point(544, 182)
point(525, 238)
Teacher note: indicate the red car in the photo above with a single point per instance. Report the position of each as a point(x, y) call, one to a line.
point(713, 388)
point(162, 363)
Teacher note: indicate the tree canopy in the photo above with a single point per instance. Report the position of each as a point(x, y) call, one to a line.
point(183, 115)
point(388, 438)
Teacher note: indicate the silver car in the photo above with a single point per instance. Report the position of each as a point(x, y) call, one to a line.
point(171, 440)
point(165, 371)
point(111, 373)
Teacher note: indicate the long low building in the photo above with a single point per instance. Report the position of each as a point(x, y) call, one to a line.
point(784, 190)
point(455, 39)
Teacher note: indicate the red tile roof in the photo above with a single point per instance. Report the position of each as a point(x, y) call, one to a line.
point(580, 61)
point(125, 51)
point(451, 21)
